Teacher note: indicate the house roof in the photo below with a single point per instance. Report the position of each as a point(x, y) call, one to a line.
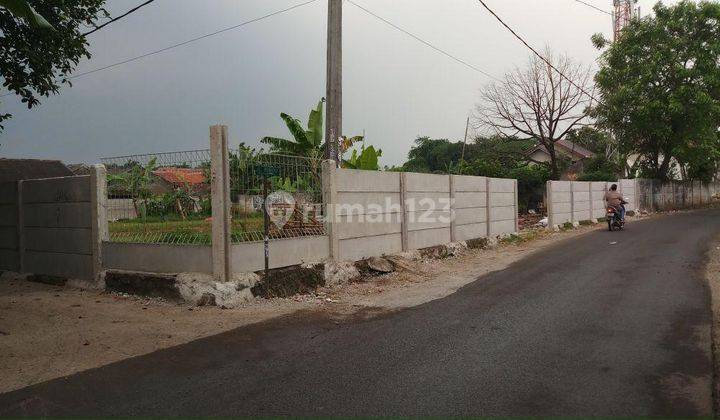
point(17, 169)
point(567, 147)
point(181, 176)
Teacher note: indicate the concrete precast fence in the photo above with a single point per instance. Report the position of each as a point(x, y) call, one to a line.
point(54, 226)
point(372, 213)
point(578, 201)
point(657, 195)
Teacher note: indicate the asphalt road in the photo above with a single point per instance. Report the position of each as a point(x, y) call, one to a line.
point(583, 328)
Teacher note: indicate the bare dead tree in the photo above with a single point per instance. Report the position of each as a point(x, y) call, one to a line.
point(537, 103)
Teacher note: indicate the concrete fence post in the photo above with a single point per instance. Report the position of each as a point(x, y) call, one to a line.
point(572, 202)
point(517, 207)
point(591, 205)
point(220, 191)
point(20, 228)
point(404, 240)
point(452, 207)
point(488, 206)
point(329, 189)
point(548, 205)
point(98, 208)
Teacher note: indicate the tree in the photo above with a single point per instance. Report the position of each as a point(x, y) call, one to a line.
point(34, 62)
point(537, 103)
point(23, 9)
point(136, 182)
point(660, 89)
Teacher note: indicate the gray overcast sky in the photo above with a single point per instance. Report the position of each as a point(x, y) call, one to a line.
point(394, 87)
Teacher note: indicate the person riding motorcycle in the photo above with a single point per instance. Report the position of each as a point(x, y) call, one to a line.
point(614, 199)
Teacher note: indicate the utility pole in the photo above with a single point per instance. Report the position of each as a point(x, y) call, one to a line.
point(467, 126)
point(333, 121)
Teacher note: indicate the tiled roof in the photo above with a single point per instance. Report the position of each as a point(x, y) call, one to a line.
point(181, 176)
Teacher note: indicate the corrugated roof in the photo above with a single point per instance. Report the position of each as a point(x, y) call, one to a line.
point(12, 170)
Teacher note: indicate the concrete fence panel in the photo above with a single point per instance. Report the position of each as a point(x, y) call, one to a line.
point(54, 226)
point(377, 213)
point(470, 215)
point(367, 212)
point(598, 190)
point(656, 195)
point(9, 234)
point(428, 210)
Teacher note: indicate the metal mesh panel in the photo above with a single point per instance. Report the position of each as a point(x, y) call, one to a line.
point(253, 175)
point(160, 198)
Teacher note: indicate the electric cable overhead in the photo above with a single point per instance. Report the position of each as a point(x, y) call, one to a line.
point(426, 43)
point(180, 44)
point(592, 6)
point(115, 19)
point(512, 31)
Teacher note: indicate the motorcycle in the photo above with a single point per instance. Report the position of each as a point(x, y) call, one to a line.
point(614, 219)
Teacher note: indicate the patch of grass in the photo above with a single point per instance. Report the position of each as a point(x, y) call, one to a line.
point(566, 226)
point(586, 223)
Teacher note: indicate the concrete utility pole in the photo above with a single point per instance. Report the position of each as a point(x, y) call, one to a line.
point(333, 120)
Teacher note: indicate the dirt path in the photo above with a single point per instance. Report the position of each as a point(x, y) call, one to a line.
point(48, 332)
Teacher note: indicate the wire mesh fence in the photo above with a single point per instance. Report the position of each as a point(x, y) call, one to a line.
point(293, 187)
point(160, 198)
point(166, 197)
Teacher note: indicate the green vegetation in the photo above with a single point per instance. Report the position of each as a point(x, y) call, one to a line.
point(660, 89)
point(41, 44)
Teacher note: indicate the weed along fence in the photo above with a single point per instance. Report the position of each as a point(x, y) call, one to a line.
point(54, 226)
point(577, 201)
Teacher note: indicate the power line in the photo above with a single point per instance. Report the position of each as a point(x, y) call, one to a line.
point(97, 28)
point(426, 43)
point(180, 44)
point(592, 6)
point(535, 51)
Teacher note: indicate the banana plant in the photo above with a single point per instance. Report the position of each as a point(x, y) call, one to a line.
point(366, 160)
point(23, 9)
point(305, 142)
point(136, 183)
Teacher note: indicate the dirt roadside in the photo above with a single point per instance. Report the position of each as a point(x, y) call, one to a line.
point(48, 331)
point(712, 275)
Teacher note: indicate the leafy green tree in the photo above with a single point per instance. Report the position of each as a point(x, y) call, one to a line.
point(660, 89)
point(136, 182)
point(23, 9)
point(34, 62)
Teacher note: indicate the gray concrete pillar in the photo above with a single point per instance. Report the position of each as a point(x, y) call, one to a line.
point(98, 208)
point(220, 190)
point(452, 207)
point(329, 189)
point(548, 205)
point(517, 208)
point(488, 207)
point(20, 228)
point(404, 215)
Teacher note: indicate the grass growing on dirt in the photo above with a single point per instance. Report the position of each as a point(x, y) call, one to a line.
point(174, 230)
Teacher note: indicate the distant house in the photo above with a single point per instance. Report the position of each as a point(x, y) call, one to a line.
point(577, 154)
point(12, 170)
point(566, 148)
point(171, 178)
